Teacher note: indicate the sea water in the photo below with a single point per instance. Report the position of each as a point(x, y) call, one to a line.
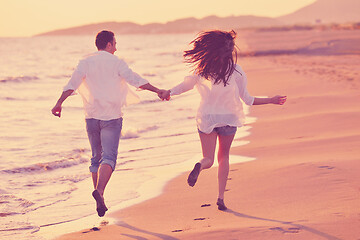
point(45, 186)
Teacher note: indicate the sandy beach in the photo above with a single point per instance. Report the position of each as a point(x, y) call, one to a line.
point(305, 181)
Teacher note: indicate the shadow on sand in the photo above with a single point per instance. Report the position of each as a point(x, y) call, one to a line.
point(295, 227)
point(159, 235)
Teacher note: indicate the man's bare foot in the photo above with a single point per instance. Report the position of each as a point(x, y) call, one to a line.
point(100, 204)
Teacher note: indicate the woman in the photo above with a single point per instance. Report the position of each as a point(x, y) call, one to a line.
point(222, 86)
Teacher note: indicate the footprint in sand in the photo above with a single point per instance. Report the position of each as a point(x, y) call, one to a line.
point(326, 167)
point(289, 230)
point(338, 214)
point(92, 230)
point(206, 205)
point(104, 223)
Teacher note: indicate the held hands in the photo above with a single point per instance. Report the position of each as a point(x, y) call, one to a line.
point(278, 99)
point(164, 94)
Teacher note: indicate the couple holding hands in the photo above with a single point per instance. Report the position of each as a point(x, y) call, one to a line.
point(102, 80)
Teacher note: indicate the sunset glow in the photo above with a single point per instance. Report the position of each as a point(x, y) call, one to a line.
point(30, 17)
point(175, 124)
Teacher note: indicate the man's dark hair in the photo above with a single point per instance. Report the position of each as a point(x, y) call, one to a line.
point(102, 38)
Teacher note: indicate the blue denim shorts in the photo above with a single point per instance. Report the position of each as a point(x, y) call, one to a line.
point(104, 139)
point(223, 131)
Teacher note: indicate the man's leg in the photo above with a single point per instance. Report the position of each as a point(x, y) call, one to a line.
point(94, 176)
point(104, 175)
point(93, 131)
point(110, 136)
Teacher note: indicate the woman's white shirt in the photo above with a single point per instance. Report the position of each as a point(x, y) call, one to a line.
point(220, 105)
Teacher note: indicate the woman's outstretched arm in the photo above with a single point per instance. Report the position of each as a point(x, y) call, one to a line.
point(273, 100)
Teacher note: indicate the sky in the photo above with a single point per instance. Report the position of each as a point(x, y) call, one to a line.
point(23, 18)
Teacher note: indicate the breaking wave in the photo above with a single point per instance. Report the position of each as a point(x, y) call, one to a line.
point(19, 79)
point(75, 158)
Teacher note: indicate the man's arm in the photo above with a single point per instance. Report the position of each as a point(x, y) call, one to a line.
point(57, 108)
point(160, 92)
point(149, 87)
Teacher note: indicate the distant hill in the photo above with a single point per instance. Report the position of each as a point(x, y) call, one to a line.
point(322, 11)
point(325, 11)
point(185, 25)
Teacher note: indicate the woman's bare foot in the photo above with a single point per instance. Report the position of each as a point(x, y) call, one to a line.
point(221, 204)
point(194, 175)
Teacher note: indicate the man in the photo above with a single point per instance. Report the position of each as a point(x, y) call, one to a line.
point(101, 79)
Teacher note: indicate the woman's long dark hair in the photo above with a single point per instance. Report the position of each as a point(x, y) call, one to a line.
point(214, 55)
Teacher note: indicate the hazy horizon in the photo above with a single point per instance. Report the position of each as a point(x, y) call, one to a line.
point(29, 17)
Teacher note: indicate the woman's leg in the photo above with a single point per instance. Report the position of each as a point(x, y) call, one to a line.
point(208, 144)
point(223, 158)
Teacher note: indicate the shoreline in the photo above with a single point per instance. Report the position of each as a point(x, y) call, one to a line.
point(147, 191)
point(304, 183)
point(157, 186)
